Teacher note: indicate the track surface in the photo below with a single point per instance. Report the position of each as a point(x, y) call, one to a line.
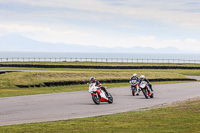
point(194, 77)
point(61, 106)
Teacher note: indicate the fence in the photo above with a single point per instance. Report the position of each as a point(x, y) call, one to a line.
point(122, 60)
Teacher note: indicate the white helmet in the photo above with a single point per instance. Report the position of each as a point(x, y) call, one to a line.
point(134, 75)
point(142, 77)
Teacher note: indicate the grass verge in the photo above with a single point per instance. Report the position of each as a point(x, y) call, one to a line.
point(45, 90)
point(180, 118)
point(9, 80)
point(179, 71)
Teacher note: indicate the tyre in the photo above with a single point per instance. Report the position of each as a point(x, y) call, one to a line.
point(110, 98)
point(96, 99)
point(151, 95)
point(145, 92)
point(133, 92)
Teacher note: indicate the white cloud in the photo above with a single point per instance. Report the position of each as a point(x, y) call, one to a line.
point(16, 28)
point(190, 40)
point(52, 23)
point(65, 34)
point(171, 12)
point(93, 38)
point(47, 33)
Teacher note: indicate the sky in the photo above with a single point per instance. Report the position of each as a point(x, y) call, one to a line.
point(106, 23)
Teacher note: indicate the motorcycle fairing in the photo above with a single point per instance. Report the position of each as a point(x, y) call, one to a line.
point(103, 96)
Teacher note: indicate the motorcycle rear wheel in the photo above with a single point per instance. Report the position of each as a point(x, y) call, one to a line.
point(151, 95)
point(96, 99)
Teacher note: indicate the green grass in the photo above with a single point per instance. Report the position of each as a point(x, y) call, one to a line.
point(9, 80)
point(45, 90)
point(179, 71)
point(182, 118)
point(56, 89)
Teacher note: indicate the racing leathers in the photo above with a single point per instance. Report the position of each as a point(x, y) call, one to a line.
point(135, 78)
point(149, 84)
point(137, 88)
point(97, 83)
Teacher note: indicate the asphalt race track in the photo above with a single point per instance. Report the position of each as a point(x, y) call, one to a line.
point(61, 106)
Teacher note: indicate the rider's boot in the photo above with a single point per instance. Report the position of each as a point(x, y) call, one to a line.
point(149, 93)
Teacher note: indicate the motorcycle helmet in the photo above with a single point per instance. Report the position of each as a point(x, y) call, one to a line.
point(142, 77)
point(134, 75)
point(92, 79)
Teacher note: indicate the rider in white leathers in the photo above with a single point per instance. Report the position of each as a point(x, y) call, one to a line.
point(142, 78)
point(97, 83)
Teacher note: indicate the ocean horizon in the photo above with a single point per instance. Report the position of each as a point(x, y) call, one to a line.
point(4, 54)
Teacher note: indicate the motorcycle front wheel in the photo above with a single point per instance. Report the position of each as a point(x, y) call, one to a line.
point(110, 98)
point(133, 92)
point(145, 92)
point(96, 99)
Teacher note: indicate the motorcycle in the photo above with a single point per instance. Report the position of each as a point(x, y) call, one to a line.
point(145, 89)
point(134, 87)
point(99, 95)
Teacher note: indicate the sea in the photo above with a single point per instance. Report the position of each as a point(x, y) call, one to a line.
point(29, 56)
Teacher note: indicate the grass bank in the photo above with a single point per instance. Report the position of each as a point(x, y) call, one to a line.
point(9, 80)
point(38, 76)
point(181, 118)
point(56, 89)
point(179, 71)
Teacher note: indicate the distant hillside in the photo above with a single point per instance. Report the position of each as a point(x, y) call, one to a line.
point(21, 43)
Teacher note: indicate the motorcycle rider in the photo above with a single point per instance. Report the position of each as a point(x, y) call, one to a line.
point(142, 78)
point(97, 83)
point(137, 79)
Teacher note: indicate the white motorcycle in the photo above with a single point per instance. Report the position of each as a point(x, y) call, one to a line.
point(99, 95)
point(145, 89)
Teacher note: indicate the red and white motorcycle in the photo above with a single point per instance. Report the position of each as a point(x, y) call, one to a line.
point(99, 95)
point(146, 90)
